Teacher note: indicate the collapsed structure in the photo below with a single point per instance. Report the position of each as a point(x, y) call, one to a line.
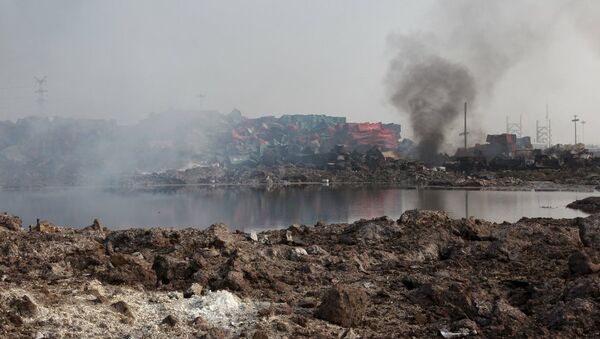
point(64, 151)
point(507, 151)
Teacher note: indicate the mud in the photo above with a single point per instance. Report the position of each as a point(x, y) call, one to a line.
point(424, 275)
point(588, 205)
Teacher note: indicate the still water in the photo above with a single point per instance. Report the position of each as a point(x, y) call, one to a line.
point(254, 208)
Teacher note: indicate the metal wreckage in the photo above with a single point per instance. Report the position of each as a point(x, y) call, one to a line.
point(509, 152)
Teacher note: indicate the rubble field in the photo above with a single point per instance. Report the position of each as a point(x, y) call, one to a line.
point(424, 275)
point(390, 172)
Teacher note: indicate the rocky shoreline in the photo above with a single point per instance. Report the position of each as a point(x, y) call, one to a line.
point(424, 275)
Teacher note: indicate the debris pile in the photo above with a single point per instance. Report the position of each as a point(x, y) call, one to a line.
point(508, 152)
point(423, 275)
point(60, 151)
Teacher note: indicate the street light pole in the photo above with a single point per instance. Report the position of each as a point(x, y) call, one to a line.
point(575, 119)
point(583, 132)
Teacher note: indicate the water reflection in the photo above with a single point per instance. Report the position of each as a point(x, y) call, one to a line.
point(253, 208)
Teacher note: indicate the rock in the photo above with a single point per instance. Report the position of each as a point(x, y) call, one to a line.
point(316, 250)
point(253, 236)
point(194, 289)
point(296, 253)
point(24, 307)
point(577, 313)
point(508, 314)
point(129, 269)
point(589, 231)
point(289, 237)
point(235, 281)
point(222, 238)
point(282, 327)
point(15, 319)
point(168, 269)
point(581, 264)
point(343, 305)
point(260, 334)
point(44, 226)
point(10, 222)
point(308, 302)
point(96, 227)
point(369, 231)
point(123, 308)
point(200, 323)
point(58, 271)
point(349, 334)
point(170, 320)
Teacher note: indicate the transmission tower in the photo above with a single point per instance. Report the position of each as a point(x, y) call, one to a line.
point(515, 127)
point(543, 133)
point(40, 91)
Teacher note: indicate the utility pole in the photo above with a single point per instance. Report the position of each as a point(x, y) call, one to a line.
point(549, 126)
point(465, 130)
point(40, 91)
point(575, 119)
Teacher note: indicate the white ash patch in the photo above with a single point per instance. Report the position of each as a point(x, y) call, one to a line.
point(79, 316)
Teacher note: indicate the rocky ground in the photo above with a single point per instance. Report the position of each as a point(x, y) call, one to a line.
point(422, 276)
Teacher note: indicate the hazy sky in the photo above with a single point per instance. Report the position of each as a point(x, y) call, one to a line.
point(125, 59)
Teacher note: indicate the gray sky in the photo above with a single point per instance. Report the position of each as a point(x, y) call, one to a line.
point(125, 59)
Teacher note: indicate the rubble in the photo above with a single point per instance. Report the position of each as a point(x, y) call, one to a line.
point(10, 222)
point(344, 306)
point(423, 275)
point(210, 148)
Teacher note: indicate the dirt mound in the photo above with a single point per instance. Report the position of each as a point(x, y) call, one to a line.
point(423, 275)
point(587, 205)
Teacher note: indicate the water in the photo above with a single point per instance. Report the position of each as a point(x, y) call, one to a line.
point(252, 208)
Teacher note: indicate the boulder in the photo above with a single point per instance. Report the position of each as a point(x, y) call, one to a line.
point(343, 305)
point(168, 269)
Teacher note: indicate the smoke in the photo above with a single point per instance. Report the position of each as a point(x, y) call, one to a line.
point(469, 48)
point(432, 90)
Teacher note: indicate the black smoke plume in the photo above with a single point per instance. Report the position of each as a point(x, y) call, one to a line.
point(432, 90)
